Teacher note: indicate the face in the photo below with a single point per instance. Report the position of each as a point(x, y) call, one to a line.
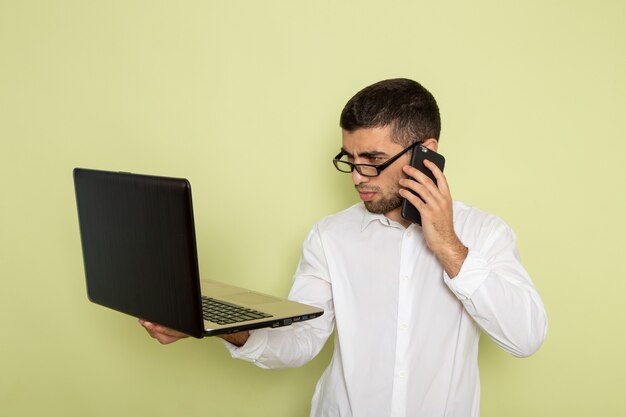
point(374, 146)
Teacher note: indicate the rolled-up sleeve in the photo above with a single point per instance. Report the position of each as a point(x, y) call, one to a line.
point(498, 293)
point(295, 345)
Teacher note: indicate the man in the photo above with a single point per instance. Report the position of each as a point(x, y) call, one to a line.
point(408, 302)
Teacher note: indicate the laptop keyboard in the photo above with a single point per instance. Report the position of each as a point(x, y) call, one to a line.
point(221, 312)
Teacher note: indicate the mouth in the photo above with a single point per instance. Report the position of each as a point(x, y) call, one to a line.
point(366, 195)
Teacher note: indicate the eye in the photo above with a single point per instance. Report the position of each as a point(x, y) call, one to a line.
point(376, 159)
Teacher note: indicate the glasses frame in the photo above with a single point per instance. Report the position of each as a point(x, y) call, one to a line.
point(379, 168)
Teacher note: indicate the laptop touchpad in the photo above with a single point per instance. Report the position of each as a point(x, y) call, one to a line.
point(251, 298)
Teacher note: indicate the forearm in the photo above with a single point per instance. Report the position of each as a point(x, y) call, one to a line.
point(502, 300)
point(284, 347)
point(516, 321)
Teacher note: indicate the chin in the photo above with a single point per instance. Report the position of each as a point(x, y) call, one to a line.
point(384, 206)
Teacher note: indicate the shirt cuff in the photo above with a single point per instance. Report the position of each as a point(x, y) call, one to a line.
point(474, 271)
point(252, 349)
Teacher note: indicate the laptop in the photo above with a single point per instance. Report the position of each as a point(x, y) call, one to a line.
point(139, 252)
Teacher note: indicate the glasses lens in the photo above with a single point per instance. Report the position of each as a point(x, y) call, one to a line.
point(367, 171)
point(342, 166)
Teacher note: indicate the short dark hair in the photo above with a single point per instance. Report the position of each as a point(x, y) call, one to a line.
point(401, 103)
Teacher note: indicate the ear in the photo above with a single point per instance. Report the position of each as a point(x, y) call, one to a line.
point(431, 144)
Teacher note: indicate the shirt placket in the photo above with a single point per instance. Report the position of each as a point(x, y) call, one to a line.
point(403, 323)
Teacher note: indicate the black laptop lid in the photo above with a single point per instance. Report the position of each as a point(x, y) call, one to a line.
point(139, 246)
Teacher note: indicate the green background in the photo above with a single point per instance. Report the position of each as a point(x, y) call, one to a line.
point(243, 98)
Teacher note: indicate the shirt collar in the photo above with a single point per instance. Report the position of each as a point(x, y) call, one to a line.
point(370, 217)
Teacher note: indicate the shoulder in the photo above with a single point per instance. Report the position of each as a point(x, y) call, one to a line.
point(339, 226)
point(473, 224)
point(348, 218)
point(465, 214)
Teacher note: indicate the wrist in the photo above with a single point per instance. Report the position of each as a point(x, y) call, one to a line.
point(238, 339)
point(452, 256)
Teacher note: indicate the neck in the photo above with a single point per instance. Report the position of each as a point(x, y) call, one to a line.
point(397, 217)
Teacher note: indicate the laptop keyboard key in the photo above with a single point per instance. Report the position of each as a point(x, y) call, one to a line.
point(225, 313)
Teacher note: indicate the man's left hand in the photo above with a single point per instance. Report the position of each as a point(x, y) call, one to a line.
point(435, 207)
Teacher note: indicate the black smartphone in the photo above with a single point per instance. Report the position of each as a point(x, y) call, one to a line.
point(420, 153)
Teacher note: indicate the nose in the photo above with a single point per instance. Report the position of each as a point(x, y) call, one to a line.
point(358, 178)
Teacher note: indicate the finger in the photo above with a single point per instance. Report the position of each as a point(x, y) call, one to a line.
point(150, 329)
point(416, 174)
point(169, 332)
point(146, 325)
point(421, 184)
point(442, 182)
point(416, 201)
point(162, 334)
point(165, 340)
point(439, 190)
point(421, 190)
point(421, 178)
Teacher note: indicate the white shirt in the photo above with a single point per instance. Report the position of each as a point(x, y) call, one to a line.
point(407, 335)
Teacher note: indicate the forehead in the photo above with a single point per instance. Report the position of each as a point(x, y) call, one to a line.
point(369, 139)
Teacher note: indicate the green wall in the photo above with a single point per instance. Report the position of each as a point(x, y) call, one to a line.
point(243, 99)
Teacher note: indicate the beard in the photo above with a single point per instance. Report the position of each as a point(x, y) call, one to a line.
point(384, 205)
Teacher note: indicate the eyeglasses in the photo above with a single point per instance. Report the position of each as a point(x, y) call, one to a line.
point(367, 170)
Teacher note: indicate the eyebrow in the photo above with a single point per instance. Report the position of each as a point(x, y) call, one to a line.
point(365, 154)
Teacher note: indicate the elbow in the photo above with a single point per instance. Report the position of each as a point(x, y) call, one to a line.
point(527, 351)
point(533, 341)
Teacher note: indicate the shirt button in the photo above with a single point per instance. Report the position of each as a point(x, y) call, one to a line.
point(402, 374)
point(409, 234)
point(403, 326)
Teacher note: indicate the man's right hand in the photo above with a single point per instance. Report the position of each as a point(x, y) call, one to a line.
point(163, 334)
